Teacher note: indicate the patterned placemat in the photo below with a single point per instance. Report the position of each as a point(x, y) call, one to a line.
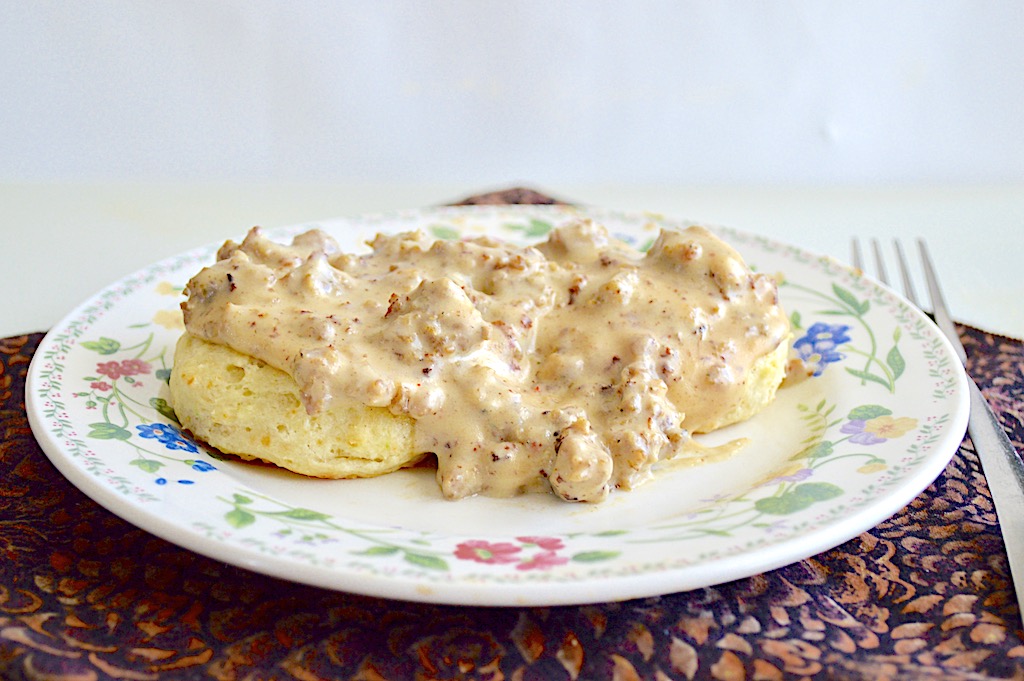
point(86, 595)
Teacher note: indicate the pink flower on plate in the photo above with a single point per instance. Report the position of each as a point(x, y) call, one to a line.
point(546, 543)
point(111, 370)
point(127, 367)
point(133, 367)
point(483, 551)
point(542, 561)
point(102, 386)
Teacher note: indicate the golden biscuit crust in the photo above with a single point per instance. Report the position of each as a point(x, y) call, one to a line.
point(245, 407)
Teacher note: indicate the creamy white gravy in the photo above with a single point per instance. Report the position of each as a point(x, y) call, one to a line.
point(580, 361)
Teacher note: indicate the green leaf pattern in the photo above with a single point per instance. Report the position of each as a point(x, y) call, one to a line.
point(827, 343)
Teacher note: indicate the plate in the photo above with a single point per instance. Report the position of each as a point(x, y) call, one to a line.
point(833, 456)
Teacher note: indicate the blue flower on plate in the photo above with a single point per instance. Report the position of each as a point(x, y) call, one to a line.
point(167, 435)
point(819, 346)
point(164, 481)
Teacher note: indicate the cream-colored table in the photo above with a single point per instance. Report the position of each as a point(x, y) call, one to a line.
point(63, 242)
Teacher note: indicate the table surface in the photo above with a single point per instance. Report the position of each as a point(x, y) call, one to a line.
point(73, 239)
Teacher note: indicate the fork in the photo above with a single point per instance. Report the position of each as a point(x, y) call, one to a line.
point(1003, 468)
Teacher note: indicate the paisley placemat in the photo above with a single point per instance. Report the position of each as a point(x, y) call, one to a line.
point(86, 595)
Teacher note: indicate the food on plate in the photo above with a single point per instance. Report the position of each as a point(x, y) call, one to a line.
point(577, 364)
point(245, 406)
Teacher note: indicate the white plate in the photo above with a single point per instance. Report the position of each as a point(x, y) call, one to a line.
point(834, 456)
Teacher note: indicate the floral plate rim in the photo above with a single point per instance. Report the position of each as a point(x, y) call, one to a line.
point(310, 545)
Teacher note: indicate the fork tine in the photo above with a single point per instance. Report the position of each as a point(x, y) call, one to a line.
point(901, 261)
point(939, 310)
point(883, 273)
point(858, 258)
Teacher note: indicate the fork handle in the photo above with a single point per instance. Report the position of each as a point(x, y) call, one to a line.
point(1004, 471)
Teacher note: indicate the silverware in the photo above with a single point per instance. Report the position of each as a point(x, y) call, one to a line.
point(1003, 468)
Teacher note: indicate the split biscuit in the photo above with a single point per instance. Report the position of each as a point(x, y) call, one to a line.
point(245, 407)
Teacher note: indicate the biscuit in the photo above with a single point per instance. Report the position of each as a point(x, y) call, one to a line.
point(245, 407)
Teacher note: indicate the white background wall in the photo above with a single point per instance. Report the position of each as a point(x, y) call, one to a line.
point(484, 92)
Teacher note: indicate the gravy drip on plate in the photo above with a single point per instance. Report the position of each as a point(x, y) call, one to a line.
point(579, 361)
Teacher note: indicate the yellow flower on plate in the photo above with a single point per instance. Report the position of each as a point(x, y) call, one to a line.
point(169, 319)
point(166, 288)
point(888, 427)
